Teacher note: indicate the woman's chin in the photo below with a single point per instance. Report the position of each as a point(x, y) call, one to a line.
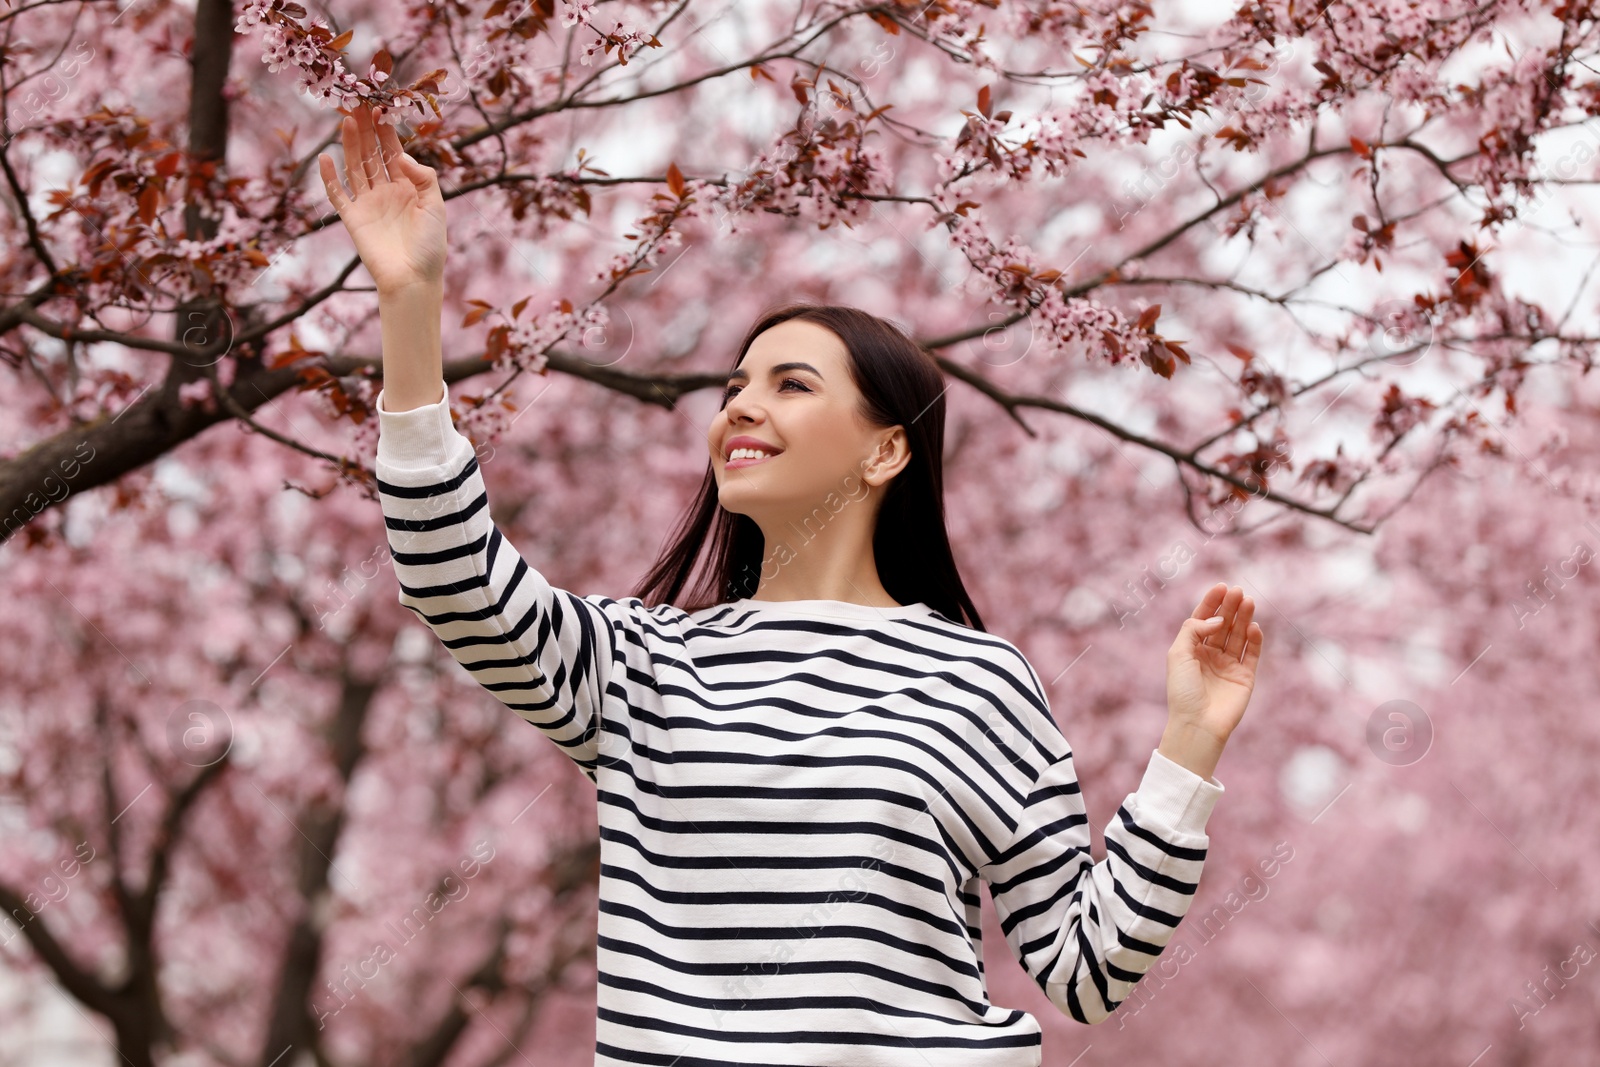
point(741, 500)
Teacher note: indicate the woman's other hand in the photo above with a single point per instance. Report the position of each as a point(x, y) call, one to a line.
point(1211, 671)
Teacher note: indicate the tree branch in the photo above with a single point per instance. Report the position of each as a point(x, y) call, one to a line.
point(291, 1022)
point(73, 978)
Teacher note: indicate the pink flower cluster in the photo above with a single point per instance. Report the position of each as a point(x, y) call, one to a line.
point(321, 71)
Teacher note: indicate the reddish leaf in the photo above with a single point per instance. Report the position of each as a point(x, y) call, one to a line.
point(95, 175)
point(1237, 139)
point(495, 345)
point(294, 354)
point(1158, 360)
point(480, 308)
point(431, 81)
point(149, 201)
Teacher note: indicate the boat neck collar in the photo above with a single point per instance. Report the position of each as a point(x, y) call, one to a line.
point(836, 608)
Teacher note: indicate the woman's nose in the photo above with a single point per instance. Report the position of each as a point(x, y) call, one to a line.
point(739, 408)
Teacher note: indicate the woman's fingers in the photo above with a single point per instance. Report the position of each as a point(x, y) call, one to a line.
point(1208, 605)
point(1252, 648)
point(389, 146)
point(370, 163)
point(330, 181)
point(1226, 616)
point(353, 172)
point(1240, 629)
point(1227, 606)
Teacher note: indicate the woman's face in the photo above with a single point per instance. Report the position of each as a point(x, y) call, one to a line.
point(808, 415)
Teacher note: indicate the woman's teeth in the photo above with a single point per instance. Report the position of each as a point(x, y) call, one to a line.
point(748, 453)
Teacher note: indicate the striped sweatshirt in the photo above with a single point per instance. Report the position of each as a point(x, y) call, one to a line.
point(797, 800)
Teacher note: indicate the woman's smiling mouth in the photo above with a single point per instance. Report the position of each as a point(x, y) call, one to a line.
point(747, 457)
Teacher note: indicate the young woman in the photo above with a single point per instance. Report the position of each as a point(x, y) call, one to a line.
point(803, 774)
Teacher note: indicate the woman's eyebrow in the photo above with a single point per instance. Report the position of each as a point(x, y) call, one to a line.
point(741, 374)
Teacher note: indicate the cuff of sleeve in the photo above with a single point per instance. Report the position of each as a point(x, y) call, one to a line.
point(417, 438)
point(1176, 795)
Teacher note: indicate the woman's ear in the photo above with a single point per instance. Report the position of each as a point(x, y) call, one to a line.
point(891, 457)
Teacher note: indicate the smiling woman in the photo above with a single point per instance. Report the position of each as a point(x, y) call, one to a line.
point(804, 774)
point(802, 783)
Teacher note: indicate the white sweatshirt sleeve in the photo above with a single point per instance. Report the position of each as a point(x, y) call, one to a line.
point(1087, 932)
point(544, 652)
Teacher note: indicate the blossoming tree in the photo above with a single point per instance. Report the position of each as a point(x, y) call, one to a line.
point(1250, 281)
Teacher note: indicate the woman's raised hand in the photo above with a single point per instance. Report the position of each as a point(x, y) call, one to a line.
point(394, 212)
point(1211, 666)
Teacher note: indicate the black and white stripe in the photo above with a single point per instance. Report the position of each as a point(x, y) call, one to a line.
point(797, 801)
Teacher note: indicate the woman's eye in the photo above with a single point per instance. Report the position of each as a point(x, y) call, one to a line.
point(727, 394)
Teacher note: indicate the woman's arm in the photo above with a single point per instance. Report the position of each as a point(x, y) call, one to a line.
point(1087, 932)
point(545, 653)
point(413, 367)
